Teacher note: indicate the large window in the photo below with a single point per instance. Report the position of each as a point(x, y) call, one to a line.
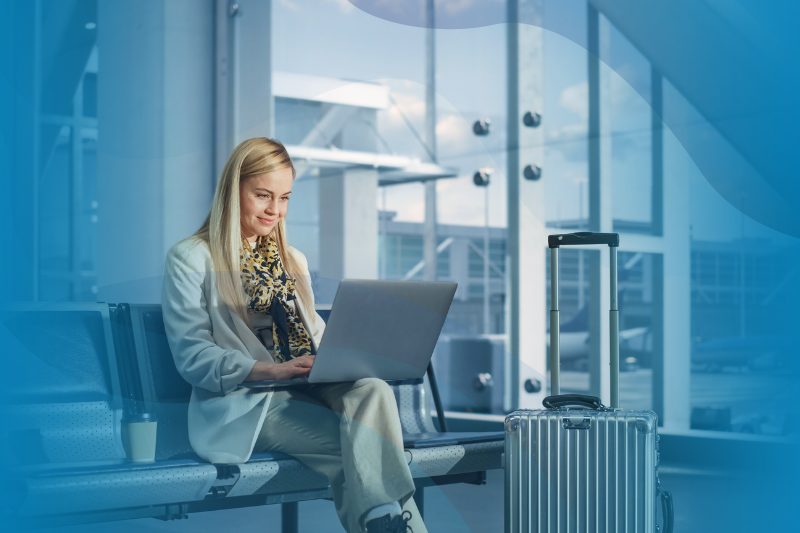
point(637, 290)
point(743, 274)
point(565, 169)
point(67, 185)
point(630, 116)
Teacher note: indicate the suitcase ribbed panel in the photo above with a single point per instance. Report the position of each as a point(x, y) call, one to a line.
point(599, 477)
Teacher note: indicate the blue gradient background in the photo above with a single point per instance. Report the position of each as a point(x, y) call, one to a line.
point(731, 129)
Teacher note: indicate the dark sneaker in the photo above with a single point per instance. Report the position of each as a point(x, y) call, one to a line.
point(386, 524)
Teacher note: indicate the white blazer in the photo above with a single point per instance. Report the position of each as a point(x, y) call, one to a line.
point(215, 350)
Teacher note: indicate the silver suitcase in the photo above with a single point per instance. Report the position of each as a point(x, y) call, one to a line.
point(578, 466)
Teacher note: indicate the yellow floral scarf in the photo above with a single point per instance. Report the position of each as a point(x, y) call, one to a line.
point(269, 290)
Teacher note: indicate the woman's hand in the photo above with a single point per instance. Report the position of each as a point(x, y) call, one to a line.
point(299, 367)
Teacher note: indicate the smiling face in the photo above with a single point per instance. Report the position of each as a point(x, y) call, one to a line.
point(263, 201)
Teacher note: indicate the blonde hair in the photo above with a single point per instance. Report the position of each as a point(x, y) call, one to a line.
point(222, 229)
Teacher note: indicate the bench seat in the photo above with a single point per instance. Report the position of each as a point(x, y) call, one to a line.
point(428, 455)
point(69, 488)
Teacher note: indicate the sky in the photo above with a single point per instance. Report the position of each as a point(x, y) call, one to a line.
point(332, 38)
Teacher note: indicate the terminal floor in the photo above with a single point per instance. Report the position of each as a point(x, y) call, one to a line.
point(704, 503)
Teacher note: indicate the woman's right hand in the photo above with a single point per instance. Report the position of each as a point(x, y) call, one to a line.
point(298, 367)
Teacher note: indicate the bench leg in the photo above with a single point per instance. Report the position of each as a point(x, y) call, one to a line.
point(289, 517)
point(419, 499)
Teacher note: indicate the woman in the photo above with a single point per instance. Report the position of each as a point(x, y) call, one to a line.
point(238, 306)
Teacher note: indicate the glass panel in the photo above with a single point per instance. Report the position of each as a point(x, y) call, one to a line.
point(302, 218)
point(294, 119)
point(565, 120)
point(55, 222)
point(67, 184)
point(471, 84)
point(573, 304)
point(744, 292)
point(636, 300)
point(88, 217)
point(631, 134)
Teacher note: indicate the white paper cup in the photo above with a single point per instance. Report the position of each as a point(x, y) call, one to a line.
point(139, 437)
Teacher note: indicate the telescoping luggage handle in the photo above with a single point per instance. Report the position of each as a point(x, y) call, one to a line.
point(579, 239)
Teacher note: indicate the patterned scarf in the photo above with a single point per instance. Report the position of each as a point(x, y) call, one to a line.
point(269, 290)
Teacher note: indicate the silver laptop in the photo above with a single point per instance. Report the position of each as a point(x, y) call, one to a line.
point(378, 328)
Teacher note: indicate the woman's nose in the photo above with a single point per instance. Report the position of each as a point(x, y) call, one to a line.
point(272, 208)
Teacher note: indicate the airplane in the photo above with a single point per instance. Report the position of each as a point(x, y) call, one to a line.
point(574, 343)
point(574, 335)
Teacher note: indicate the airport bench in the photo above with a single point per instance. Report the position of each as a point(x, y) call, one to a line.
point(62, 455)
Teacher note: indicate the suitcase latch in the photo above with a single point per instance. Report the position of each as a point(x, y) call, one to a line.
point(576, 422)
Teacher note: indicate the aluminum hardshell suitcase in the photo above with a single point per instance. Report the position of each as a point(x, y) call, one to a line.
point(578, 466)
point(581, 470)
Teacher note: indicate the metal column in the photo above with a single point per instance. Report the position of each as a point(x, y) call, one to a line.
point(600, 201)
point(290, 517)
point(526, 262)
point(429, 240)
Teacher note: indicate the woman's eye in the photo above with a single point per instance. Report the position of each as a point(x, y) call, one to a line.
point(262, 195)
point(285, 198)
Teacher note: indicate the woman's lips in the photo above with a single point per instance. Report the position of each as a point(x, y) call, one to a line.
point(265, 221)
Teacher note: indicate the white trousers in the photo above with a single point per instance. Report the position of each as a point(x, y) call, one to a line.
point(350, 433)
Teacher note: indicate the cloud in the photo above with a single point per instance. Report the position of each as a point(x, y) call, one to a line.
point(410, 106)
point(453, 130)
point(408, 201)
point(460, 202)
point(570, 141)
point(571, 131)
point(623, 97)
point(410, 102)
point(575, 98)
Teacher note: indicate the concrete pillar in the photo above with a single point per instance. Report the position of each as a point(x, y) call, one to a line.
point(600, 213)
point(527, 237)
point(459, 267)
point(155, 148)
point(348, 220)
point(348, 227)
